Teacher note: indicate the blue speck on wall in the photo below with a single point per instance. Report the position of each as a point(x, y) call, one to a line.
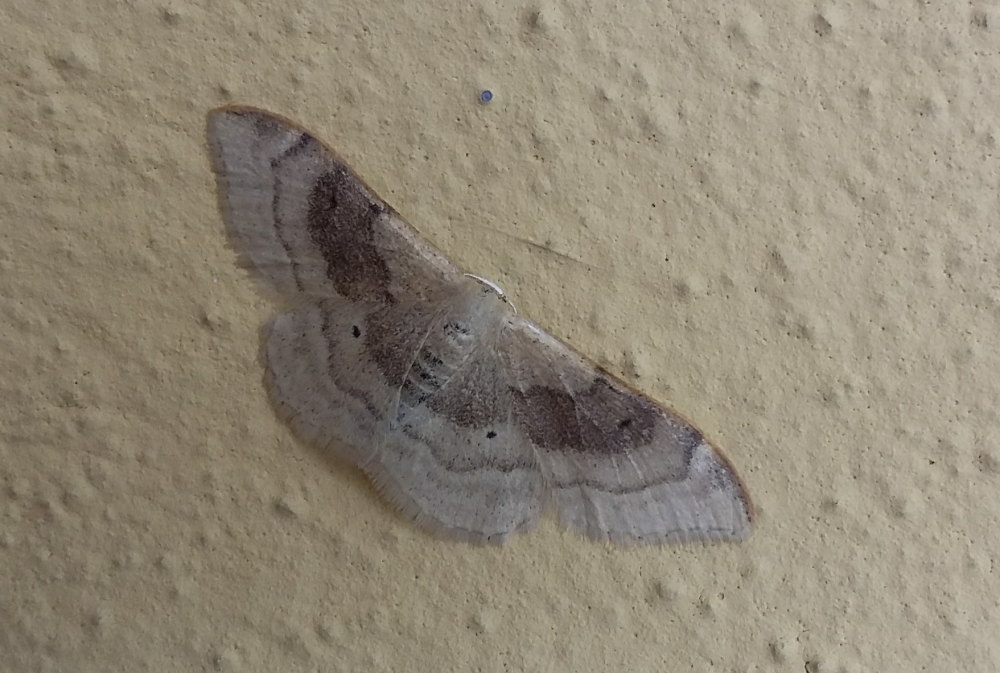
point(485, 96)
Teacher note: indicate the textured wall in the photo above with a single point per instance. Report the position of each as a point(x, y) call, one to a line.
point(779, 217)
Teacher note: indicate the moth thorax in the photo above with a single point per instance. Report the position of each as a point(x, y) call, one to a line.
point(446, 350)
point(473, 317)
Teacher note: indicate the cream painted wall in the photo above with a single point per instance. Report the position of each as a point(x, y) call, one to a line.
point(779, 217)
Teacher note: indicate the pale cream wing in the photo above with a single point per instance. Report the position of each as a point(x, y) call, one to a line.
point(335, 368)
point(300, 216)
point(453, 459)
point(362, 380)
point(620, 467)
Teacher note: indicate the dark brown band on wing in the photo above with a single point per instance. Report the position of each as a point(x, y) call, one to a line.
point(341, 220)
point(476, 396)
point(598, 420)
point(392, 335)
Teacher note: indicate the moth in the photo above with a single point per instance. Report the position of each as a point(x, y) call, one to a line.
point(467, 416)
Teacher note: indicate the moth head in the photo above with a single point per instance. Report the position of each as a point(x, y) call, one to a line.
point(490, 286)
